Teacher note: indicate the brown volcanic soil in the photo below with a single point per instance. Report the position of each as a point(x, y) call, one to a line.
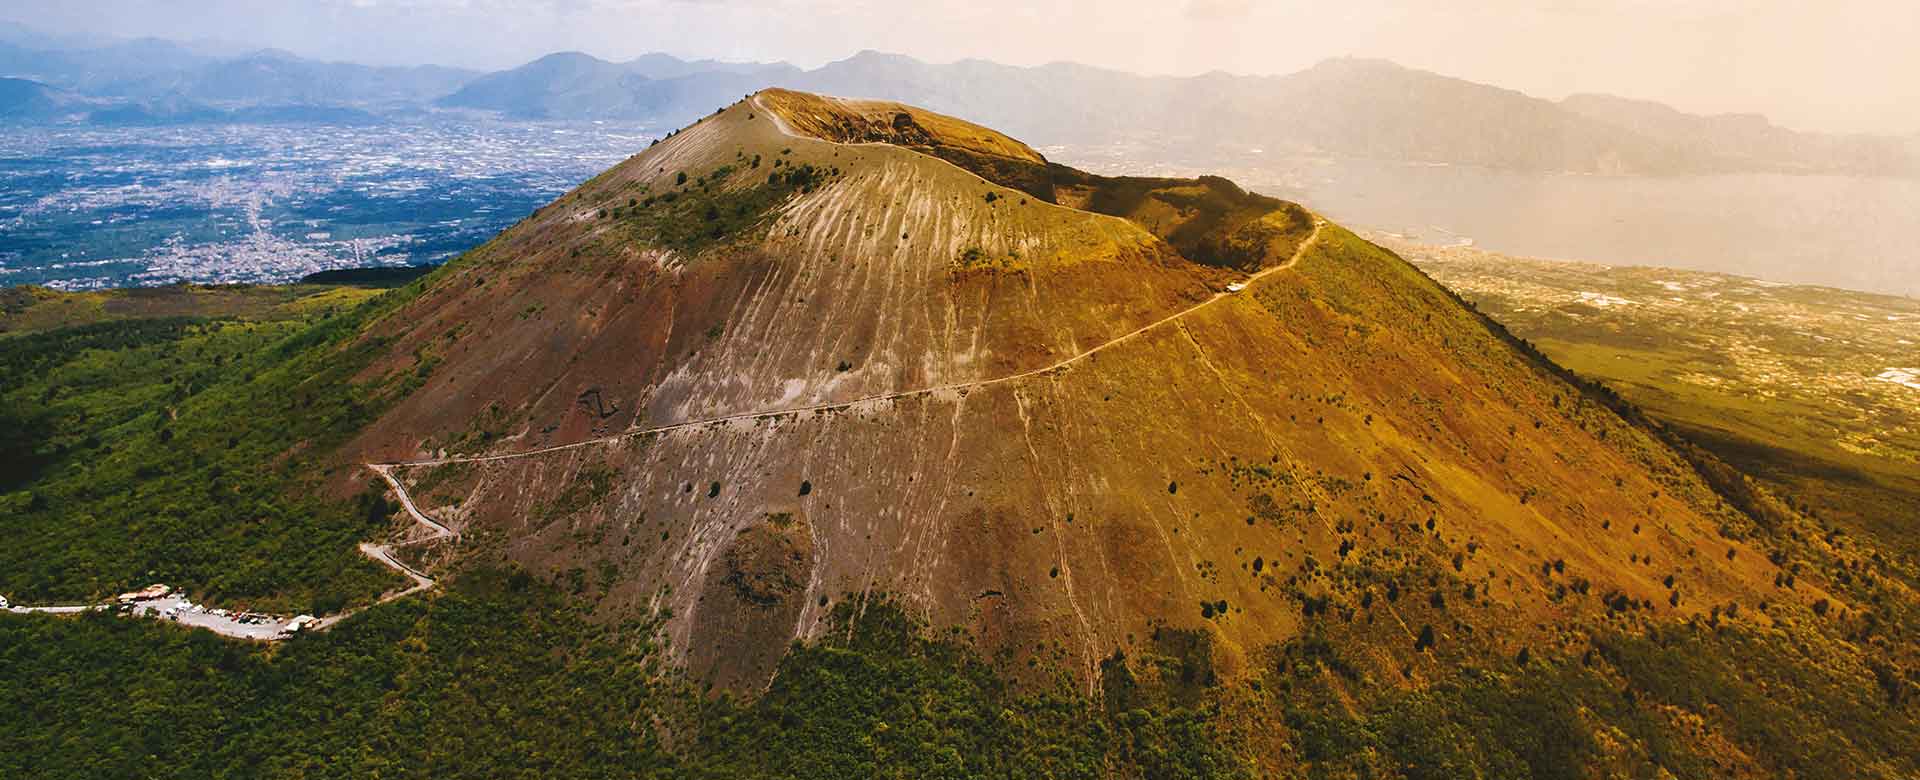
point(1342, 442)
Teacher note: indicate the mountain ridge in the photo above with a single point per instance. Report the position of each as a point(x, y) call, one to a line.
point(1357, 106)
point(802, 424)
point(1026, 420)
point(1341, 106)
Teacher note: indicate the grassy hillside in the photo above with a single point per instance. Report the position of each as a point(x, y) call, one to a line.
point(502, 675)
point(1045, 426)
point(1784, 382)
point(143, 447)
point(1004, 487)
point(32, 309)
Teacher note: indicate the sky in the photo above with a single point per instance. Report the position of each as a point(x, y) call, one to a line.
point(1836, 66)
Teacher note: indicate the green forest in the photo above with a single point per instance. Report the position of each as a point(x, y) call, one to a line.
point(501, 675)
point(145, 450)
point(158, 450)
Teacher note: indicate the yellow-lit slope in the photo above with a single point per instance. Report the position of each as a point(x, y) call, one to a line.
point(878, 121)
point(1342, 443)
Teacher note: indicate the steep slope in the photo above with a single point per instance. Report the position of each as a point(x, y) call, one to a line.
point(794, 355)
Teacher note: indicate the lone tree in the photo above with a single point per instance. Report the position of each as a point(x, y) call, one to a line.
point(1426, 639)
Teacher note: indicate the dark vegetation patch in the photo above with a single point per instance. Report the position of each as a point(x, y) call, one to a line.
point(1027, 176)
point(501, 670)
point(1806, 711)
point(927, 707)
point(1880, 503)
point(1769, 695)
point(29, 309)
point(35, 428)
point(494, 673)
point(765, 566)
point(693, 218)
point(378, 276)
point(1477, 725)
point(1210, 220)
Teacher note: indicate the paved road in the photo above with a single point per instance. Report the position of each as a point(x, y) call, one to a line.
point(383, 554)
point(268, 628)
point(386, 473)
point(179, 610)
point(72, 610)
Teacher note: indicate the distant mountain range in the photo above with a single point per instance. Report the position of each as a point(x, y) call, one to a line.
point(1342, 107)
point(23, 100)
point(571, 85)
point(149, 69)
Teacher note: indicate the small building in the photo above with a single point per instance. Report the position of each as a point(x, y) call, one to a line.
point(299, 623)
point(1236, 287)
point(147, 593)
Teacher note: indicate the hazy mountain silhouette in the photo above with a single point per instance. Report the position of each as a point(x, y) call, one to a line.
point(1342, 107)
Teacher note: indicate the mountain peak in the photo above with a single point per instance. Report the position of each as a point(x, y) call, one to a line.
point(877, 57)
point(569, 58)
point(272, 55)
point(852, 121)
point(833, 347)
point(1362, 64)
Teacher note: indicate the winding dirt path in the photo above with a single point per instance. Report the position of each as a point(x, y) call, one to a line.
point(384, 468)
point(384, 553)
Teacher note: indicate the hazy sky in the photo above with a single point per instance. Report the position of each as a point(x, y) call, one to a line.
point(1841, 65)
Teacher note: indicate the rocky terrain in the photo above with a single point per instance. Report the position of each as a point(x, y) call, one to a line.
point(1231, 474)
point(839, 438)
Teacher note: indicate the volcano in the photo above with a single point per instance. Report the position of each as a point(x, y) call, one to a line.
point(810, 353)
